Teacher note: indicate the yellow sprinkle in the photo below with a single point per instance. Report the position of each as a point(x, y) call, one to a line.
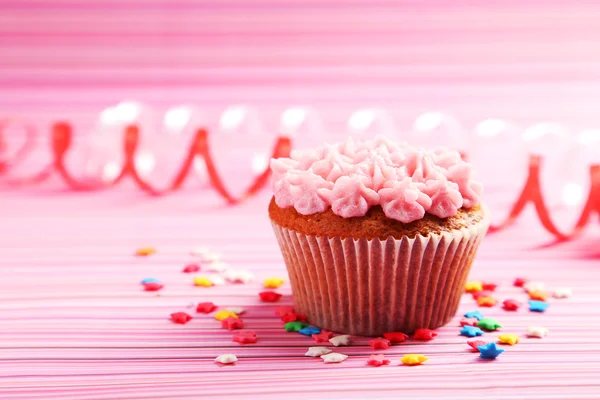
point(508, 338)
point(473, 287)
point(145, 251)
point(273, 283)
point(413, 359)
point(202, 281)
point(224, 314)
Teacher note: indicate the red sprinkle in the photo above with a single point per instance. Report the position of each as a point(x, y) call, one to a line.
point(231, 323)
point(424, 334)
point(489, 286)
point(469, 321)
point(153, 286)
point(519, 282)
point(245, 337)
point(377, 360)
point(269, 296)
point(291, 317)
point(475, 343)
point(180, 318)
point(379, 343)
point(191, 268)
point(511, 305)
point(477, 295)
point(395, 337)
point(206, 308)
point(281, 311)
point(322, 337)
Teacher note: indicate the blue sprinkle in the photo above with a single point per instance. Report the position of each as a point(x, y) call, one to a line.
point(310, 330)
point(474, 314)
point(538, 306)
point(149, 280)
point(489, 351)
point(471, 331)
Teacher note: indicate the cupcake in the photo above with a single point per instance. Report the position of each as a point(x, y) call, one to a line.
point(376, 236)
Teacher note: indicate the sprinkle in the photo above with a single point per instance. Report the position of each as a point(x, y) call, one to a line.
point(489, 324)
point(322, 337)
point(180, 318)
point(474, 286)
point(217, 280)
point(486, 302)
point(153, 286)
point(538, 295)
point(537, 306)
point(413, 359)
point(489, 351)
point(379, 343)
point(145, 251)
point(395, 337)
point(317, 351)
point(483, 293)
point(377, 360)
point(273, 283)
point(519, 282)
point(149, 280)
point(216, 266)
point(206, 307)
point(245, 337)
point(236, 310)
point(191, 268)
point(241, 276)
point(224, 314)
point(511, 305)
point(309, 331)
point(341, 340)
point(231, 323)
point(226, 359)
point(202, 281)
point(290, 317)
point(199, 251)
point(489, 286)
point(469, 321)
point(534, 286)
point(333, 357)
point(563, 292)
point(269, 296)
point(473, 314)
point(424, 334)
point(210, 256)
point(508, 338)
point(471, 331)
point(537, 331)
point(476, 343)
point(283, 310)
point(295, 326)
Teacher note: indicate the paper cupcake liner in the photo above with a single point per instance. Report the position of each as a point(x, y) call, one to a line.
point(369, 287)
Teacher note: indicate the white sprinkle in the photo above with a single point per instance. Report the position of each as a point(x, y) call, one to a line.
point(534, 286)
point(563, 293)
point(199, 251)
point(217, 280)
point(236, 310)
point(334, 357)
point(226, 359)
point(317, 351)
point(215, 266)
point(341, 340)
point(537, 331)
point(240, 276)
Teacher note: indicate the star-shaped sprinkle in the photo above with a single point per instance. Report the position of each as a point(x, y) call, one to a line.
point(206, 307)
point(149, 280)
point(379, 343)
point(469, 321)
point(333, 357)
point(145, 251)
point(486, 301)
point(216, 266)
point(309, 331)
point(471, 331)
point(269, 296)
point(476, 343)
point(563, 292)
point(474, 286)
point(283, 310)
point(537, 331)
point(511, 305)
point(273, 282)
point(538, 295)
point(180, 318)
point(295, 326)
point(202, 281)
point(489, 286)
point(537, 306)
point(226, 359)
point(489, 351)
point(341, 340)
point(236, 310)
point(489, 324)
point(211, 256)
point(424, 334)
point(322, 337)
point(377, 360)
point(483, 293)
point(317, 351)
point(224, 314)
point(395, 337)
point(519, 282)
point(245, 337)
point(217, 280)
point(241, 276)
point(534, 286)
point(508, 338)
point(231, 323)
point(153, 286)
point(413, 359)
point(190, 268)
point(291, 317)
point(474, 314)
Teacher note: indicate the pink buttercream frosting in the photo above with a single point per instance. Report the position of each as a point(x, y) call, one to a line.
point(353, 176)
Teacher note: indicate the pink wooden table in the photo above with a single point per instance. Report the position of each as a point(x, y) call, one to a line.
point(75, 323)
